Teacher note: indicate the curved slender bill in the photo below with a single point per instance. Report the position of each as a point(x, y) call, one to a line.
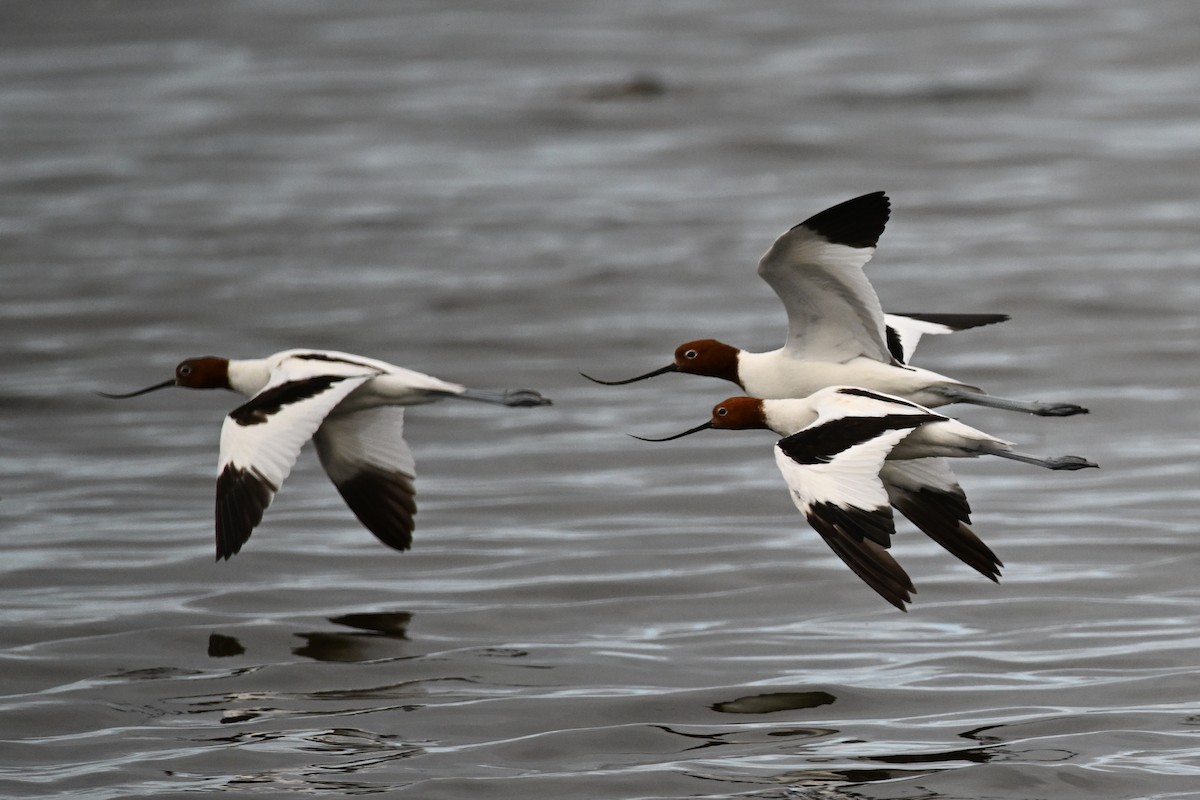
point(688, 432)
point(667, 368)
point(148, 389)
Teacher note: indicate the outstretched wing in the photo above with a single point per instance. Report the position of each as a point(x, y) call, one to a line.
point(926, 491)
point(371, 465)
point(261, 439)
point(904, 331)
point(816, 268)
point(832, 471)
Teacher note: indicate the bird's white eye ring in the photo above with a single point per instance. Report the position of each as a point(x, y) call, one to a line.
point(690, 354)
point(185, 370)
point(722, 411)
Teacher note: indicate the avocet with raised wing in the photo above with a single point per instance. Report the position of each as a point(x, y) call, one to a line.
point(837, 331)
point(350, 406)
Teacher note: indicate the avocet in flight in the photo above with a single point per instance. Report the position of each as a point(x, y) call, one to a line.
point(353, 410)
point(837, 331)
point(849, 454)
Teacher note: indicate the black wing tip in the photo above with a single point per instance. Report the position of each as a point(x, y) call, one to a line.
point(384, 502)
point(958, 322)
point(858, 222)
point(242, 497)
point(875, 524)
point(225, 555)
point(944, 517)
point(852, 535)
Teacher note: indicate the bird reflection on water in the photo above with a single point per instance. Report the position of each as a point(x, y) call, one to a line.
point(378, 633)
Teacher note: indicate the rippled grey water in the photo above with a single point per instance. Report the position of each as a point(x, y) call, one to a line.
point(504, 194)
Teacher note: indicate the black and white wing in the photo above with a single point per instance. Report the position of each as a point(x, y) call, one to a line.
point(927, 493)
point(816, 268)
point(371, 465)
point(261, 439)
point(832, 471)
point(904, 331)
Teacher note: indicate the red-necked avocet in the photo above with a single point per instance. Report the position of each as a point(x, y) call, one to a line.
point(837, 331)
point(350, 406)
point(849, 454)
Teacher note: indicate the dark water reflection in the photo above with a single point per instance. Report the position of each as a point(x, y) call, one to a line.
point(774, 701)
point(506, 194)
point(224, 646)
point(350, 647)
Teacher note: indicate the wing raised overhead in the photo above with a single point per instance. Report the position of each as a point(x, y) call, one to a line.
point(816, 269)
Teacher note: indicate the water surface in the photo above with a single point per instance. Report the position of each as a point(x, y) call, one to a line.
point(505, 194)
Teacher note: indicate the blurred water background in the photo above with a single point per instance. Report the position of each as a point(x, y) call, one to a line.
point(503, 194)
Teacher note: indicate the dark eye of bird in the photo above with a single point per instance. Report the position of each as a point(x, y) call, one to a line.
point(184, 371)
point(690, 354)
point(722, 411)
